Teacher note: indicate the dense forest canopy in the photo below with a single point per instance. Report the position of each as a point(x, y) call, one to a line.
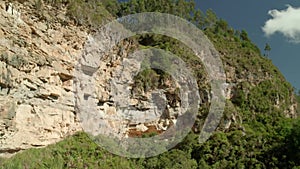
point(260, 135)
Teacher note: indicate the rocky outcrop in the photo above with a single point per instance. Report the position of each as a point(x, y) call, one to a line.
point(39, 98)
point(36, 93)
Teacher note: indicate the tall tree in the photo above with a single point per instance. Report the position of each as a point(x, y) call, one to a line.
point(211, 18)
point(244, 36)
point(199, 19)
point(267, 49)
point(180, 8)
point(112, 6)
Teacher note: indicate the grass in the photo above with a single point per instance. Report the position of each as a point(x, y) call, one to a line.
point(77, 151)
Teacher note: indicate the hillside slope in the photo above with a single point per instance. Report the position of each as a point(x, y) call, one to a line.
point(42, 41)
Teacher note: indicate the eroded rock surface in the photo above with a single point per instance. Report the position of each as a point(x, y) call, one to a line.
point(36, 93)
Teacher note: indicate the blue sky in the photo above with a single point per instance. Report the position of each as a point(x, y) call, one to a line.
point(251, 16)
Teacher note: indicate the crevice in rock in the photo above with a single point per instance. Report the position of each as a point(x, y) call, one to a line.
point(100, 103)
point(86, 96)
point(65, 77)
point(10, 151)
point(54, 96)
point(88, 70)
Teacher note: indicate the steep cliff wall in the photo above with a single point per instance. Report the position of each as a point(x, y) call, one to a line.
point(36, 63)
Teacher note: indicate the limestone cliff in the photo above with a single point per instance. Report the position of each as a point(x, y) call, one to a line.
point(36, 96)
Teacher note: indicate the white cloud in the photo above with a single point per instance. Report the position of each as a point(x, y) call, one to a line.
point(285, 21)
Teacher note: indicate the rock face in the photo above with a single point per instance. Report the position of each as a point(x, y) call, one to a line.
point(106, 96)
point(38, 96)
point(36, 93)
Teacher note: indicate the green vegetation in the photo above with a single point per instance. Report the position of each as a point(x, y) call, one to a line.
point(77, 151)
point(146, 80)
point(16, 61)
point(260, 135)
point(91, 13)
point(267, 49)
